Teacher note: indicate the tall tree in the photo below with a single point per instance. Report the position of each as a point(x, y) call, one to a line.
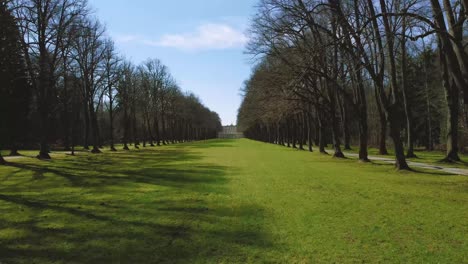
point(14, 89)
point(90, 56)
point(43, 25)
point(111, 75)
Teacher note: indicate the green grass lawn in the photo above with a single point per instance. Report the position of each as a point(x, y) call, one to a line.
point(227, 201)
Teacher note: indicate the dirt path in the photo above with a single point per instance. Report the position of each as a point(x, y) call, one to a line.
point(417, 164)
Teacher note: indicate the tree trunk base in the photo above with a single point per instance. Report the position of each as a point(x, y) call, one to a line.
point(383, 152)
point(451, 158)
point(347, 147)
point(43, 156)
point(113, 149)
point(2, 161)
point(364, 160)
point(402, 166)
point(96, 151)
point(126, 148)
point(14, 153)
point(339, 155)
point(411, 155)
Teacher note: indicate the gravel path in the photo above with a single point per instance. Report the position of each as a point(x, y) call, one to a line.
point(417, 164)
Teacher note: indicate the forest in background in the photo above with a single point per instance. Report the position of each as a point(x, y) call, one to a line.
point(63, 84)
point(359, 72)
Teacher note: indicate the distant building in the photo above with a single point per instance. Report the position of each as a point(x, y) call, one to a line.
point(230, 132)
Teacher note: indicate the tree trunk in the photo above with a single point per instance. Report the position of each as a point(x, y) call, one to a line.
point(345, 123)
point(309, 131)
point(321, 131)
point(145, 135)
point(452, 130)
point(14, 150)
point(94, 128)
point(294, 132)
point(111, 121)
point(163, 130)
point(336, 140)
point(362, 118)
point(404, 87)
point(150, 133)
point(317, 133)
point(44, 148)
point(86, 128)
point(301, 131)
point(363, 137)
point(430, 141)
point(451, 93)
point(126, 129)
point(66, 123)
point(335, 125)
point(383, 128)
point(44, 95)
point(393, 107)
point(156, 130)
point(395, 128)
point(322, 143)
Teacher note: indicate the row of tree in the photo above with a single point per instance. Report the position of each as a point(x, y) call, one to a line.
point(63, 84)
point(337, 71)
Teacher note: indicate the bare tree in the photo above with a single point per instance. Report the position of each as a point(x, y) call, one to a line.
point(111, 75)
point(90, 55)
point(43, 26)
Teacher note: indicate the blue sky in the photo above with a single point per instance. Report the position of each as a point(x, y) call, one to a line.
point(201, 41)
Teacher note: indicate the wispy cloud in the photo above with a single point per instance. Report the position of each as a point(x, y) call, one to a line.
point(126, 38)
point(210, 36)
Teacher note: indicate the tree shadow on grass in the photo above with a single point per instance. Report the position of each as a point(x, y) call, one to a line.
point(218, 143)
point(129, 208)
point(432, 172)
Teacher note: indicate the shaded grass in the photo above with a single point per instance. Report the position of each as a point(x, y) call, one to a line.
point(227, 201)
point(148, 206)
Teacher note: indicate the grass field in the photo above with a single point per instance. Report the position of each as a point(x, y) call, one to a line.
point(227, 202)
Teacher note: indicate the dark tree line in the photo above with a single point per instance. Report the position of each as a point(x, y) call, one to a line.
point(64, 85)
point(340, 72)
point(15, 92)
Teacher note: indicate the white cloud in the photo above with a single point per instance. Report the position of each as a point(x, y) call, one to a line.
point(126, 38)
point(210, 36)
point(207, 36)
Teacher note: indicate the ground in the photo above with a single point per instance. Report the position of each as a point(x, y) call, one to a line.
point(228, 201)
point(428, 157)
